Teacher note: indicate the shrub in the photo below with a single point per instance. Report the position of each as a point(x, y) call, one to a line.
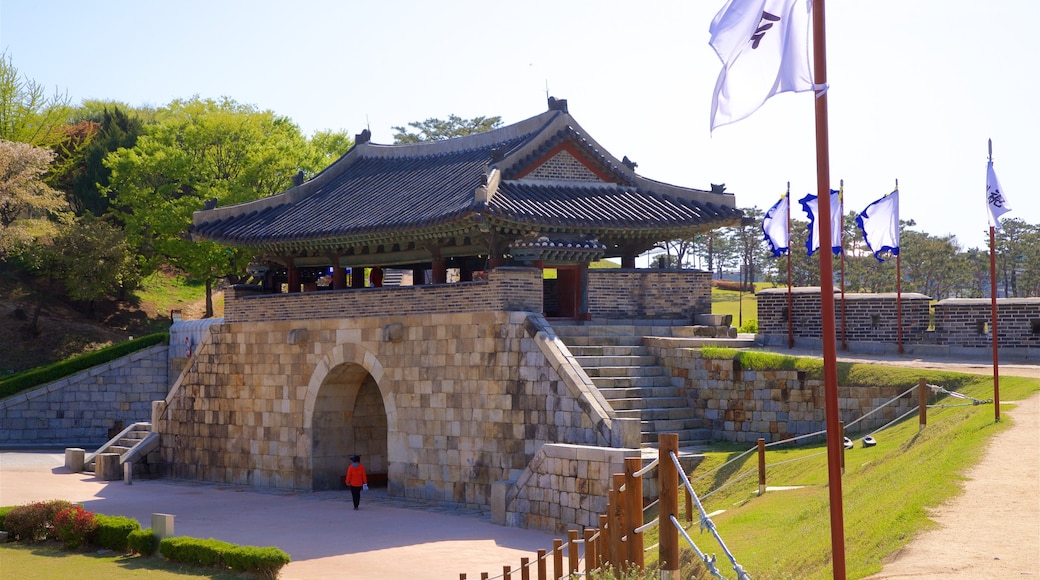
point(263, 561)
point(112, 532)
point(34, 522)
point(732, 285)
point(142, 542)
point(749, 327)
point(3, 515)
point(73, 526)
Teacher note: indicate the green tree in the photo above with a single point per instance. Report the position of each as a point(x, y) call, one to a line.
point(27, 203)
point(85, 181)
point(197, 151)
point(93, 260)
point(433, 129)
point(27, 114)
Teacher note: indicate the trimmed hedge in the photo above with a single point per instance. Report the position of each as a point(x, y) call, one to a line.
point(3, 515)
point(215, 553)
point(42, 375)
point(142, 542)
point(112, 532)
point(34, 522)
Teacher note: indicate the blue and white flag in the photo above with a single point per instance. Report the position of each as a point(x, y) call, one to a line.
point(809, 206)
point(775, 226)
point(880, 225)
point(996, 203)
point(766, 49)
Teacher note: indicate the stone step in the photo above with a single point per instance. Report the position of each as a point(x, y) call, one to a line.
point(600, 361)
point(630, 403)
point(635, 387)
point(671, 425)
point(687, 437)
point(601, 350)
point(658, 414)
point(627, 371)
point(602, 340)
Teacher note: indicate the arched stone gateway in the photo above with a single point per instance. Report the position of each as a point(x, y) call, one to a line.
point(346, 413)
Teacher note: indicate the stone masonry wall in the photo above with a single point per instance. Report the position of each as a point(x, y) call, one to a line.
point(638, 293)
point(469, 399)
point(775, 405)
point(88, 408)
point(564, 487)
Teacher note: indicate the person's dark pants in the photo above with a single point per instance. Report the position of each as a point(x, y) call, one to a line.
point(355, 493)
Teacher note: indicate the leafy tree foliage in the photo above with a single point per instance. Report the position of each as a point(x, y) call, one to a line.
point(197, 151)
point(83, 183)
point(433, 129)
point(26, 201)
point(27, 114)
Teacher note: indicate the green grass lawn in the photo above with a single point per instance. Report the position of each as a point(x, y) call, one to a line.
point(742, 305)
point(887, 491)
point(48, 561)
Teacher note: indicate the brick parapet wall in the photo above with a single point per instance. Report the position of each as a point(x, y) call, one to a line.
point(87, 408)
point(743, 405)
point(507, 289)
point(639, 293)
point(965, 322)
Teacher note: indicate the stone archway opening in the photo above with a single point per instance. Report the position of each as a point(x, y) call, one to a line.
point(349, 419)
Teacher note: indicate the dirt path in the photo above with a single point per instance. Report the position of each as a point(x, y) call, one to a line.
point(992, 530)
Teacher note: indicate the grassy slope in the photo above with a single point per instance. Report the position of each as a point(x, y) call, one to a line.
point(887, 491)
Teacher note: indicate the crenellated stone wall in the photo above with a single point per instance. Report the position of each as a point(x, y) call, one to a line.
point(744, 405)
point(868, 317)
point(660, 294)
point(966, 322)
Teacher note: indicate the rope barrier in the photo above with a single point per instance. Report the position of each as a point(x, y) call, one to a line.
point(709, 562)
point(974, 401)
point(647, 469)
point(706, 521)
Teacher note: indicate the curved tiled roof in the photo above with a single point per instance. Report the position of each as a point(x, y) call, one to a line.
point(390, 193)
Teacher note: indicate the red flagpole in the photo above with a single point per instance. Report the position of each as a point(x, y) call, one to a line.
point(790, 301)
point(899, 290)
point(841, 243)
point(835, 441)
point(993, 306)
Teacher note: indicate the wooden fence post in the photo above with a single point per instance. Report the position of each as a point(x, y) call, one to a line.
point(542, 566)
point(590, 551)
point(634, 510)
point(922, 403)
point(841, 437)
point(558, 557)
point(761, 466)
point(525, 569)
point(603, 542)
point(668, 481)
point(618, 551)
point(572, 551)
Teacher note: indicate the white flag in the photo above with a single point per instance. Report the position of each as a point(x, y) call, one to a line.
point(995, 200)
point(766, 48)
point(880, 225)
point(775, 226)
point(811, 209)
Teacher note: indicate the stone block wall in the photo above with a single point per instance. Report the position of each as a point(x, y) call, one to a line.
point(469, 399)
point(88, 408)
point(744, 405)
point(508, 289)
point(638, 293)
point(966, 322)
point(564, 487)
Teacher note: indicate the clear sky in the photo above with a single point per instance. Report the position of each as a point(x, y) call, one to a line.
point(917, 86)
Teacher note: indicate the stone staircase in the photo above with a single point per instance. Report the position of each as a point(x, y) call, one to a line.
point(134, 444)
point(631, 379)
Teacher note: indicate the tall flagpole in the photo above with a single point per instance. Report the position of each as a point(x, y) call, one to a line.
point(841, 244)
point(993, 307)
point(790, 301)
point(835, 442)
point(899, 289)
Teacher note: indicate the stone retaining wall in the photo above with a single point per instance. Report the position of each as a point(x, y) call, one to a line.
point(86, 409)
point(744, 405)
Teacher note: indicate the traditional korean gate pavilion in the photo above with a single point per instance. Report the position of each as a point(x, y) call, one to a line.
point(540, 192)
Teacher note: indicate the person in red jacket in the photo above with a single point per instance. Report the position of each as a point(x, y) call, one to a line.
point(356, 479)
